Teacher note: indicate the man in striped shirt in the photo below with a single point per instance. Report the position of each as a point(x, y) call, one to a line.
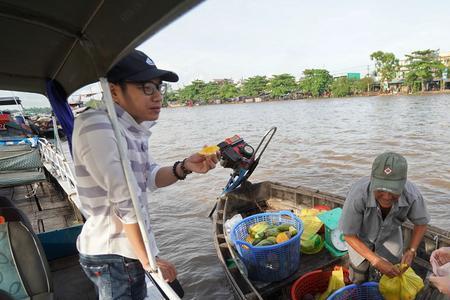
point(112, 252)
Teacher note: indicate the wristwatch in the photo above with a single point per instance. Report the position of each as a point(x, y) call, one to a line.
point(413, 250)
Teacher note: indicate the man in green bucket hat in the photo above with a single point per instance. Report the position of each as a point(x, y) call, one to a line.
point(373, 213)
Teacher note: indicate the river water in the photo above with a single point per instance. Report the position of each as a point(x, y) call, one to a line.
point(325, 144)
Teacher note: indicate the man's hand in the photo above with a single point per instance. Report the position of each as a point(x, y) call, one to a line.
point(168, 270)
point(441, 283)
point(199, 163)
point(408, 257)
point(385, 267)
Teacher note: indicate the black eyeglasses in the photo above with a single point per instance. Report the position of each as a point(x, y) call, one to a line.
point(150, 87)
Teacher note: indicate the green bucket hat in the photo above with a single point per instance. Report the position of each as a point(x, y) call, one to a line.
point(389, 172)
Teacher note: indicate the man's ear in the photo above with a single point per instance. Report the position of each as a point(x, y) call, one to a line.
point(115, 90)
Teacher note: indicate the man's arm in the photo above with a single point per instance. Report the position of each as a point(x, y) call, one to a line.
point(134, 236)
point(416, 238)
point(417, 235)
point(195, 163)
point(378, 262)
point(133, 233)
point(165, 176)
point(419, 216)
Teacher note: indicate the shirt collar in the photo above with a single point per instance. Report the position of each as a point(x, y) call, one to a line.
point(131, 124)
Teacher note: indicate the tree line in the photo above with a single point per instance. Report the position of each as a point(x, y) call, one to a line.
point(314, 83)
point(419, 68)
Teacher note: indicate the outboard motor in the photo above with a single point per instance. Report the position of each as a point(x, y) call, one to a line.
point(241, 157)
point(238, 155)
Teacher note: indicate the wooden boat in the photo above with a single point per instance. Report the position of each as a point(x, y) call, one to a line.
point(269, 196)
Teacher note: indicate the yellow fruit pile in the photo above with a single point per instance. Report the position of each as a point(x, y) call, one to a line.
point(264, 234)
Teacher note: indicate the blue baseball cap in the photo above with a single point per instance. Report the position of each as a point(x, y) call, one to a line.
point(138, 67)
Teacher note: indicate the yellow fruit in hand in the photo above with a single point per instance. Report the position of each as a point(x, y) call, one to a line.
point(209, 150)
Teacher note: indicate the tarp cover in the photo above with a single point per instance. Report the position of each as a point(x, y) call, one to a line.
point(60, 107)
point(20, 160)
point(74, 42)
point(20, 165)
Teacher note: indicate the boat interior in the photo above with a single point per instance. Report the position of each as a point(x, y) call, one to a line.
point(268, 196)
point(42, 227)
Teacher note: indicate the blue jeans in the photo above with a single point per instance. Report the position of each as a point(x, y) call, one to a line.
point(115, 276)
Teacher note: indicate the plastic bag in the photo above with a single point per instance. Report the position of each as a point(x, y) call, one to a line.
point(311, 223)
point(313, 245)
point(229, 224)
point(439, 261)
point(335, 283)
point(402, 287)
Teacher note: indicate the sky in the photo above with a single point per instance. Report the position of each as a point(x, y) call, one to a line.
point(241, 38)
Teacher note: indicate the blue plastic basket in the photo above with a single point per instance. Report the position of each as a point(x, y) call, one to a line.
point(365, 291)
point(269, 263)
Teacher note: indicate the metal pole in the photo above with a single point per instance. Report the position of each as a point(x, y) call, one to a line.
point(57, 140)
point(155, 273)
point(21, 109)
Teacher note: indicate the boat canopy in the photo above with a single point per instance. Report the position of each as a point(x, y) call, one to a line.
point(76, 42)
point(56, 47)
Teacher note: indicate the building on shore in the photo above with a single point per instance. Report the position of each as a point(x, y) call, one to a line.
point(398, 84)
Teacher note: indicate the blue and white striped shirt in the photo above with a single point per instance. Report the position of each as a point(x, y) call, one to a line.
point(103, 192)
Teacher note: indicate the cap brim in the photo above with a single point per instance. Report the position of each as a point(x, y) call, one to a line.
point(392, 186)
point(149, 74)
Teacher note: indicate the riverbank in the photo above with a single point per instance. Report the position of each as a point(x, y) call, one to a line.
point(260, 100)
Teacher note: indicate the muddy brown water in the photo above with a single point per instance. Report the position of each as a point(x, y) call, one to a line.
point(325, 144)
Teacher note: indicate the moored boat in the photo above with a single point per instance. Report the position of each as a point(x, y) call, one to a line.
point(251, 199)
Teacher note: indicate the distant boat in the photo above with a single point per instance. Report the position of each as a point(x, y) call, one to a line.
point(21, 125)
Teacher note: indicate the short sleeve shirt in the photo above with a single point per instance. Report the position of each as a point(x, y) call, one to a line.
point(361, 216)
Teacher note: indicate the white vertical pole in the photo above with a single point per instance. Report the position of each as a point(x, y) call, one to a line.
point(21, 109)
point(132, 187)
point(55, 133)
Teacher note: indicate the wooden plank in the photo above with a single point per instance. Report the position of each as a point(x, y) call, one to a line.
point(49, 213)
point(47, 203)
point(54, 223)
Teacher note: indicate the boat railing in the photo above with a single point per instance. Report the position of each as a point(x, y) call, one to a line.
point(59, 167)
